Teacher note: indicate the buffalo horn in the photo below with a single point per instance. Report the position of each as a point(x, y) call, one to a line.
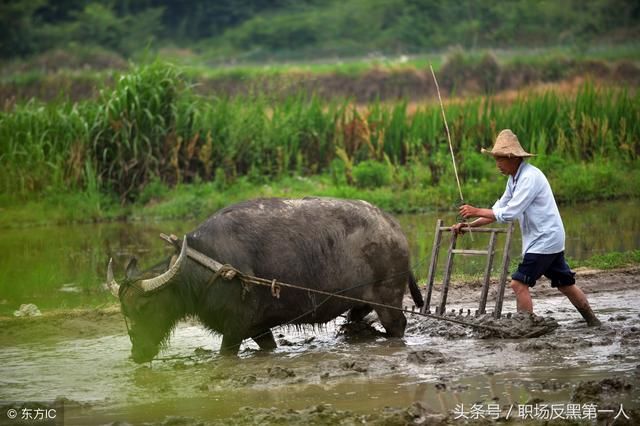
point(111, 282)
point(161, 280)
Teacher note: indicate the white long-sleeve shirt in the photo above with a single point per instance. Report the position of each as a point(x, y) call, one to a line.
point(529, 199)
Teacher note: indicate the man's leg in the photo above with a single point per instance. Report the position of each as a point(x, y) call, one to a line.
point(563, 278)
point(579, 300)
point(523, 297)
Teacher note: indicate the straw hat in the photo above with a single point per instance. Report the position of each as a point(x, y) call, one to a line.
point(507, 145)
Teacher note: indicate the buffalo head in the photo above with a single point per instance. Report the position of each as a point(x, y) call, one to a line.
point(149, 304)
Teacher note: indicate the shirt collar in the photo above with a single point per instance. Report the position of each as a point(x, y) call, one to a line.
point(517, 176)
point(514, 179)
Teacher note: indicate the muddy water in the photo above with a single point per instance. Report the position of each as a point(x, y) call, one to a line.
point(437, 364)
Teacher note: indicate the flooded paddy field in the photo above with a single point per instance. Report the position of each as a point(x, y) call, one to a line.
point(76, 354)
point(64, 267)
point(328, 374)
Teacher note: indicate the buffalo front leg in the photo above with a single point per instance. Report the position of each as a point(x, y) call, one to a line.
point(394, 322)
point(357, 313)
point(230, 345)
point(266, 341)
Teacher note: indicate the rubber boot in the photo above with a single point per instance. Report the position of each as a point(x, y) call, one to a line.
point(589, 316)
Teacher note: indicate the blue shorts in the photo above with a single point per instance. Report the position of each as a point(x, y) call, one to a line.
point(552, 266)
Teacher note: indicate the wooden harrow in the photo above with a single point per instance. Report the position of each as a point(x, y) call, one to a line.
point(489, 252)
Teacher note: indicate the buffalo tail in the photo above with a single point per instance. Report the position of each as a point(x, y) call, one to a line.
point(415, 291)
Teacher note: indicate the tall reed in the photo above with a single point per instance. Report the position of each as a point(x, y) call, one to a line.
point(152, 126)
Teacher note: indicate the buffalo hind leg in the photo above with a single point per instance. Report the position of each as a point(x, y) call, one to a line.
point(394, 322)
point(230, 345)
point(266, 341)
point(357, 313)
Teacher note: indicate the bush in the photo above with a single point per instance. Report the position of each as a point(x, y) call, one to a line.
point(456, 69)
point(551, 165)
point(371, 174)
point(154, 190)
point(595, 181)
point(134, 136)
point(417, 176)
point(338, 172)
point(488, 72)
point(476, 166)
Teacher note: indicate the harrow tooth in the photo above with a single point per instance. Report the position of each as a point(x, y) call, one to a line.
point(509, 315)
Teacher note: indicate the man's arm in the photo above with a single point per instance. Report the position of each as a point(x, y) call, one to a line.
point(484, 217)
point(468, 211)
point(459, 228)
point(528, 188)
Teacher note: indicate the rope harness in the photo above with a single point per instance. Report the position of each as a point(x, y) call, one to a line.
point(228, 272)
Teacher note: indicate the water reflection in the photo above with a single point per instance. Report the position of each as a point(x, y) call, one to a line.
point(64, 266)
point(591, 229)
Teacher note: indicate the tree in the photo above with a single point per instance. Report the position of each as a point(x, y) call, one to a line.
point(17, 25)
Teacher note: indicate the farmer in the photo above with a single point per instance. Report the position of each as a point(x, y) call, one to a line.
point(529, 199)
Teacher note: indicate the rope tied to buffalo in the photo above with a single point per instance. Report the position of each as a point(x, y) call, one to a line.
point(228, 272)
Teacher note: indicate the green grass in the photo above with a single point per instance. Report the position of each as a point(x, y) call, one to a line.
point(605, 261)
point(542, 58)
point(159, 201)
point(602, 262)
point(198, 66)
point(611, 260)
point(347, 66)
point(151, 129)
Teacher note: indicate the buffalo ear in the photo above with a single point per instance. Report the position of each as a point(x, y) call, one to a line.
point(132, 269)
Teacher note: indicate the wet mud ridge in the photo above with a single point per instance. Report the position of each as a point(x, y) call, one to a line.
point(518, 326)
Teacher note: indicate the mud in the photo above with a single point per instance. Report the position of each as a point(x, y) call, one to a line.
point(57, 326)
point(520, 325)
point(342, 373)
point(324, 414)
point(592, 390)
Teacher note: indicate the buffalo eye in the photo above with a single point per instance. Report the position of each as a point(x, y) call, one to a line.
point(141, 306)
point(135, 306)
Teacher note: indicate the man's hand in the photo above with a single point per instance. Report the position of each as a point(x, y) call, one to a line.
point(459, 228)
point(468, 211)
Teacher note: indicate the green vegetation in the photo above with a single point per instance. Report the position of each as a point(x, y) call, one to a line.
point(611, 260)
point(254, 29)
point(151, 133)
point(158, 201)
point(57, 75)
point(606, 261)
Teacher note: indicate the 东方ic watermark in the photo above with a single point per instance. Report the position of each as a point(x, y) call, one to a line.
point(31, 413)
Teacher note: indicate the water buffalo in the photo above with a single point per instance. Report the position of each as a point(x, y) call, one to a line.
point(340, 246)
